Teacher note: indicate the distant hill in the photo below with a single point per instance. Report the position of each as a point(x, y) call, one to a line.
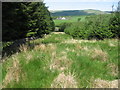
point(77, 12)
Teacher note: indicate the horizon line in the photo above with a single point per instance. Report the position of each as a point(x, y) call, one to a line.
point(76, 9)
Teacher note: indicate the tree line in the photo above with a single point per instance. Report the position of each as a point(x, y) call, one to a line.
point(95, 27)
point(25, 19)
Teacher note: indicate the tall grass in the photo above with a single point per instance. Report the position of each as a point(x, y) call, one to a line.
point(56, 58)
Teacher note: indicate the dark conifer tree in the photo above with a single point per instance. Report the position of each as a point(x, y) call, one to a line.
point(25, 19)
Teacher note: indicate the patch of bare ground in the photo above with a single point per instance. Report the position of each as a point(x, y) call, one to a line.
point(98, 83)
point(99, 54)
point(13, 73)
point(64, 81)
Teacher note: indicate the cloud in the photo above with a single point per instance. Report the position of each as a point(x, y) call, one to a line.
point(81, 0)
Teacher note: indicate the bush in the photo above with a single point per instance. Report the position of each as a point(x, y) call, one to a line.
point(63, 26)
point(76, 30)
point(115, 24)
point(95, 27)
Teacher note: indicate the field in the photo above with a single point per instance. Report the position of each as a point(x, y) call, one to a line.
point(72, 19)
point(59, 61)
point(71, 48)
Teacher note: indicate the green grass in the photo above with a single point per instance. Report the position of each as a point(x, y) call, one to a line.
point(54, 38)
point(85, 67)
point(72, 19)
point(34, 64)
point(36, 73)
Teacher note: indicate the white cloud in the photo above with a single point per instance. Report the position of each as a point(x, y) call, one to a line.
point(81, 0)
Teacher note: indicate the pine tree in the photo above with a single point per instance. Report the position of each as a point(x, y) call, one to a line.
point(25, 19)
point(13, 21)
point(115, 22)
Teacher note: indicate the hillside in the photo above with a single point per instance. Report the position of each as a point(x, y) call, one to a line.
point(77, 12)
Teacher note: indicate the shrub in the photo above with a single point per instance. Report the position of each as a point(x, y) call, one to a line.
point(115, 24)
point(63, 26)
point(95, 27)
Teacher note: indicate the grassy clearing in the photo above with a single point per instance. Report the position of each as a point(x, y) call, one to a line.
point(58, 61)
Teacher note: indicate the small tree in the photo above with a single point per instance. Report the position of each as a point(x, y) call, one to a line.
point(115, 22)
point(79, 19)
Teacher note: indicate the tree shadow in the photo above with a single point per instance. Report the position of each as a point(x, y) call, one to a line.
point(15, 46)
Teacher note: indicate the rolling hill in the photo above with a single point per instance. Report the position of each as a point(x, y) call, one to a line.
point(77, 12)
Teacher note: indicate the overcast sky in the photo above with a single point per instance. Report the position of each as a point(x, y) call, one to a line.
point(104, 5)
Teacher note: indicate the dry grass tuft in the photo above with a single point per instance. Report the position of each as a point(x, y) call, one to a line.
point(85, 48)
point(60, 63)
point(23, 48)
point(67, 49)
point(98, 83)
point(13, 73)
point(63, 53)
point(51, 47)
point(112, 45)
point(28, 57)
point(112, 42)
point(78, 46)
point(53, 55)
point(64, 81)
point(99, 54)
point(40, 47)
point(114, 69)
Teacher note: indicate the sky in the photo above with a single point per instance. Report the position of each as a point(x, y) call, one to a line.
point(103, 5)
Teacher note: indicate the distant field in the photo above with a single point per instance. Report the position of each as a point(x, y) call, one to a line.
point(72, 19)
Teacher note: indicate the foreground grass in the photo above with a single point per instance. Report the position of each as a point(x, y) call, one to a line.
point(59, 61)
